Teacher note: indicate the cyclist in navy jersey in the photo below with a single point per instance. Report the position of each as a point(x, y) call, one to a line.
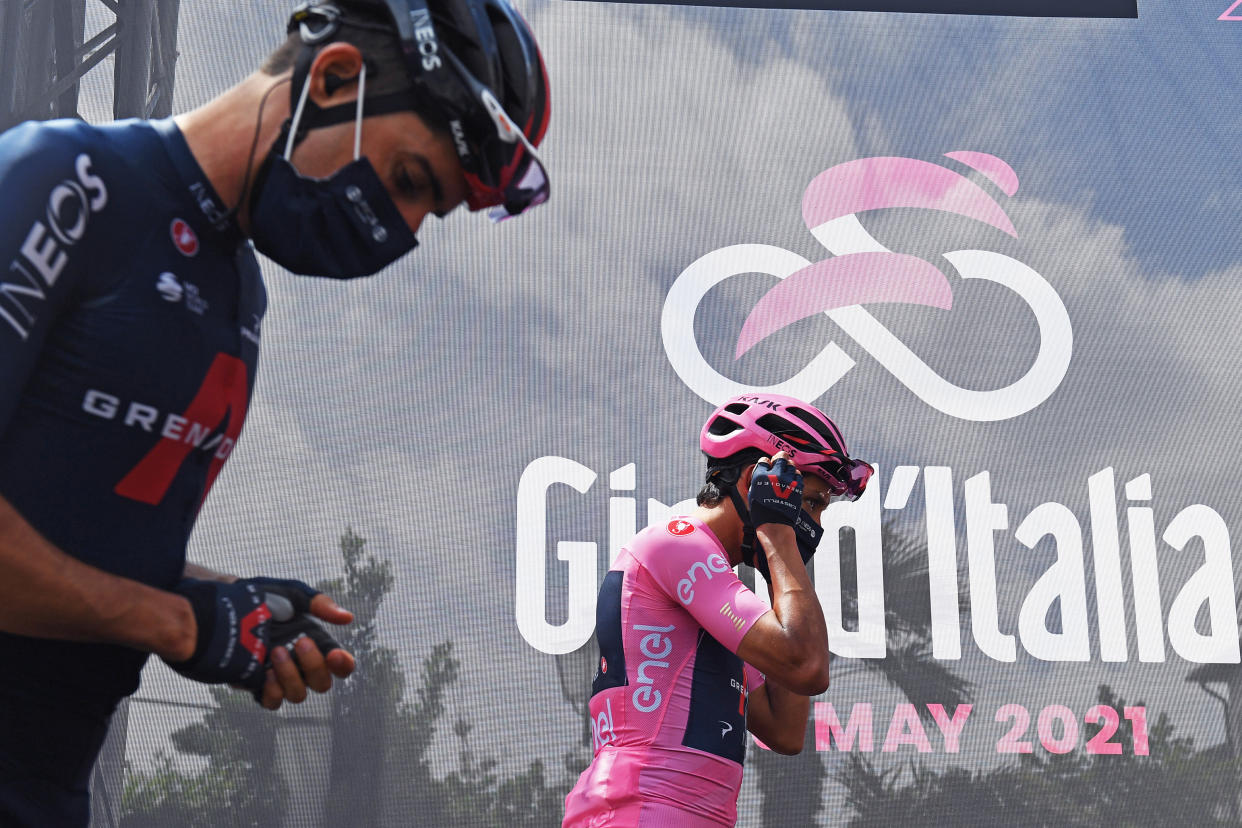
point(130, 323)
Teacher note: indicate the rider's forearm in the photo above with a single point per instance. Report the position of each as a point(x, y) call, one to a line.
point(45, 593)
point(789, 712)
point(794, 601)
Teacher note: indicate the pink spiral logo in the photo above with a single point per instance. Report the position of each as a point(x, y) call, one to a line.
point(867, 277)
point(862, 271)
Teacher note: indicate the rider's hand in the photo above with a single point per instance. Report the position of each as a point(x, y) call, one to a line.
point(302, 653)
point(232, 633)
point(775, 492)
point(260, 634)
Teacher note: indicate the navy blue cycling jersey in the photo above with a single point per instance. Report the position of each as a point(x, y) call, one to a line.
point(129, 333)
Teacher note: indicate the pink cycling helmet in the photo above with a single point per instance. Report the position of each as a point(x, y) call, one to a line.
point(750, 426)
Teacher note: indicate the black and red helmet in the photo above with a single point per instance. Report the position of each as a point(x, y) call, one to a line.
point(476, 64)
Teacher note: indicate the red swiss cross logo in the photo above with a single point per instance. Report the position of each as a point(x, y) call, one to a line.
point(184, 237)
point(680, 527)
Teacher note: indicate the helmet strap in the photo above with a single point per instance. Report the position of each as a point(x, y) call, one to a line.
point(314, 116)
point(748, 530)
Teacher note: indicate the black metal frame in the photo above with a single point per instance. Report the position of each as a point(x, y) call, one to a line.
point(44, 55)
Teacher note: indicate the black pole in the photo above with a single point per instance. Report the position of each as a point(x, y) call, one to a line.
point(131, 83)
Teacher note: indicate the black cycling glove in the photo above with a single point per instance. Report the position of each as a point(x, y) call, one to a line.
point(775, 493)
point(232, 633)
point(239, 622)
point(290, 602)
point(776, 497)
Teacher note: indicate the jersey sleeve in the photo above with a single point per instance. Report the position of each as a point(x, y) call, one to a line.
point(50, 188)
point(691, 570)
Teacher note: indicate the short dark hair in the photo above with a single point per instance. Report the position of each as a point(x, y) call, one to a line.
point(372, 34)
point(722, 473)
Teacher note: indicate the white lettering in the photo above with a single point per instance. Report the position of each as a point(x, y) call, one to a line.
point(41, 251)
point(1145, 572)
point(101, 404)
point(99, 198)
point(983, 519)
point(172, 426)
point(226, 448)
point(655, 647)
point(1202, 617)
point(1064, 580)
point(197, 433)
point(652, 641)
point(647, 703)
point(685, 587)
point(1212, 584)
point(531, 575)
point(143, 415)
point(603, 730)
point(863, 516)
point(1106, 550)
point(12, 293)
point(942, 563)
point(652, 664)
point(55, 203)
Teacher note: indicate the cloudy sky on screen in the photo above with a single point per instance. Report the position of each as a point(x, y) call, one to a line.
point(408, 405)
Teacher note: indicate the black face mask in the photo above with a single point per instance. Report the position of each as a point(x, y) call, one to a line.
point(807, 532)
point(342, 226)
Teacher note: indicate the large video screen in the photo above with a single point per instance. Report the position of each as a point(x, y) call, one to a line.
point(1000, 251)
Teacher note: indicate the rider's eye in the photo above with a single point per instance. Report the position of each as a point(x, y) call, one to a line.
point(406, 185)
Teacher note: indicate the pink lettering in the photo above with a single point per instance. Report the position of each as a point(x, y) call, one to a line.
point(906, 729)
point(951, 729)
point(828, 727)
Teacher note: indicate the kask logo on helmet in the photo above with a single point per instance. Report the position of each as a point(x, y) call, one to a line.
point(863, 271)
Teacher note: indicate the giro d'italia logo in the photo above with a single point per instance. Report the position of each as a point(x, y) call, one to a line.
point(862, 271)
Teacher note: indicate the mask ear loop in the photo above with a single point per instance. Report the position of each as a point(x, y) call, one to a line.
point(297, 117)
point(362, 89)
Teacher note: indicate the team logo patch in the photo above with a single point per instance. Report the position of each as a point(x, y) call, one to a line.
point(184, 237)
point(169, 287)
point(680, 527)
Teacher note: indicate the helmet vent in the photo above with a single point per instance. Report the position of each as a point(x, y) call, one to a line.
point(810, 419)
point(786, 430)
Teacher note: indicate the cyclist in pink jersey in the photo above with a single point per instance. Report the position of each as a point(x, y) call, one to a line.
point(690, 658)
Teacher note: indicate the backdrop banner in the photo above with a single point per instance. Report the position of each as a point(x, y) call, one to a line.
point(998, 248)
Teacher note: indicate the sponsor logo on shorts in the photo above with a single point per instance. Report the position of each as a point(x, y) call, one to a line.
point(603, 730)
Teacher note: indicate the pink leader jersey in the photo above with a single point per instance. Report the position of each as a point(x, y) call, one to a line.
point(668, 703)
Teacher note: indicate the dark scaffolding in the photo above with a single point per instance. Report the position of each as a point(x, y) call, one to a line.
point(44, 54)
